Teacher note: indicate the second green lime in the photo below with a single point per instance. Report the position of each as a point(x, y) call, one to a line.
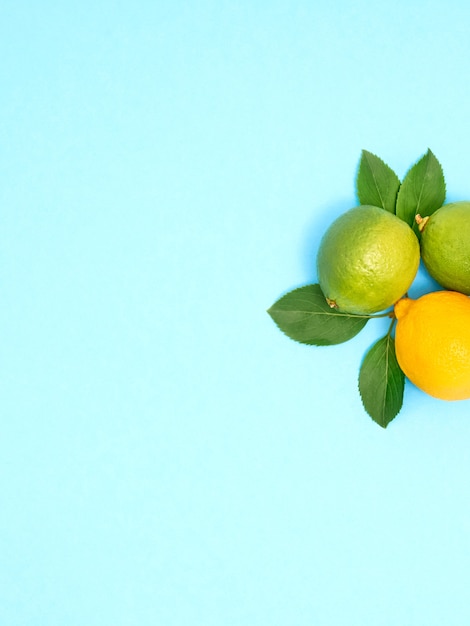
point(445, 245)
point(367, 260)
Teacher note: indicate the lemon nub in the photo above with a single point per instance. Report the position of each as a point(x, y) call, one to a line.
point(402, 307)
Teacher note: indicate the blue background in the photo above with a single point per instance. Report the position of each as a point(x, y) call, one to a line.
point(168, 457)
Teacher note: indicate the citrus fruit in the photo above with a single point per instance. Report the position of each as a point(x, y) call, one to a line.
point(432, 343)
point(445, 245)
point(367, 260)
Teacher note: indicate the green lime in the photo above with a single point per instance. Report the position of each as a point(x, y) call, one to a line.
point(445, 245)
point(367, 260)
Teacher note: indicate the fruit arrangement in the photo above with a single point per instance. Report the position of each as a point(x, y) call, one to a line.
point(366, 262)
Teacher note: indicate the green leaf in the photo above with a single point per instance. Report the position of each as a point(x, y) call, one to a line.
point(376, 182)
point(423, 190)
point(305, 316)
point(381, 382)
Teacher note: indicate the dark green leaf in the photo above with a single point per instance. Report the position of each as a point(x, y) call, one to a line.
point(376, 182)
point(381, 382)
point(305, 316)
point(423, 190)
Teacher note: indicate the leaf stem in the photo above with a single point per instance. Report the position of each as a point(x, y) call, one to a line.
point(391, 326)
point(386, 314)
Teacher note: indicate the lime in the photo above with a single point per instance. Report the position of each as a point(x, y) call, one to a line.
point(367, 260)
point(445, 245)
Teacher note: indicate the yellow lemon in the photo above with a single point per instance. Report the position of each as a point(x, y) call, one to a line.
point(432, 343)
point(367, 260)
